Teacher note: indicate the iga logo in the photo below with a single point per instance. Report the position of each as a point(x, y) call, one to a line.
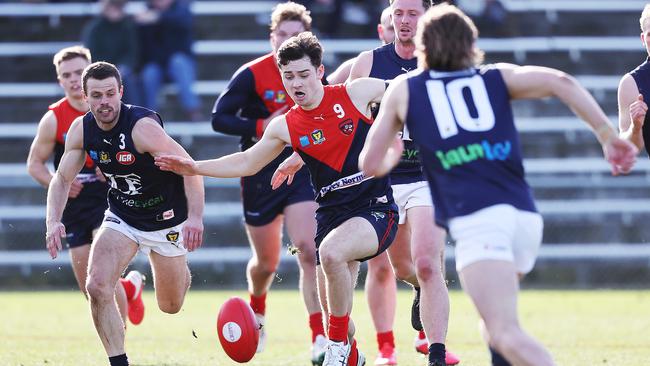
point(125, 158)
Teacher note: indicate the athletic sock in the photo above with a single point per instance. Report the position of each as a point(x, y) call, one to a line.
point(385, 337)
point(316, 325)
point(129, 288)
point(497, 359)
point(258, 303)
point(422, 335)
point(437, 353)
point(338, 331)
point(354, 354)
point(119, 360)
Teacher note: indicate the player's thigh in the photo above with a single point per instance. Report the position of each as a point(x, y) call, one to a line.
point(400, 252)
point(427, 238)
point(110, 253)
point(527, 240)
point(171, 276)
point(266, 240)
point(300, 221)
point(493, 287)
point(79, 258)
point(354, 239)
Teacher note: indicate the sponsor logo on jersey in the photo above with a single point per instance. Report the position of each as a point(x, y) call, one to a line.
point(345, 182)
point(318, 136)
point(268, 94)
point(470, 152)
point(281, 97)
point(347, 127)
point(93, 155)
point(104, 157)
point(304, 141)
point(125, 158)
point(172, 236)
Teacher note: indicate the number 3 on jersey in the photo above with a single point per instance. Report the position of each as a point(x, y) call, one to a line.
point(452, 111)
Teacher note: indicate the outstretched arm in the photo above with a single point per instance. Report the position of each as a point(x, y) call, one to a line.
point(239, 164)
point(539, 82)
point(57, 194)
point(383, 147)
point(150, 137)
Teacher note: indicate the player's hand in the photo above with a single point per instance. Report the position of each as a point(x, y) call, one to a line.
point(621, 154)
point(55, 231)
point(177, 164)
point(75, 188)
point(286, 170)
point(638, 110)
point(99, 175)
point(282, 110)
point(193, 233)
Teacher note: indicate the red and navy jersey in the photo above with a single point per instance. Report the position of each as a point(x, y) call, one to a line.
point(254, 92)
point(462, 122)
point(65, 114)
point(329, 139)
point(641, 77)
point(387, 65)
point(141, 194)
point(93, 194)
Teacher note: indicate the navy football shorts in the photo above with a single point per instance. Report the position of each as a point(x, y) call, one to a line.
point(84, 214)
point(263, 204)
point(383, 218)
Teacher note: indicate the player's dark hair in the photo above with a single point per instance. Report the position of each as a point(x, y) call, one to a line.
point(69, 53)
point(100, 71)
point(290, 11)
point(446, 40)
point(297, 47)
point(426, 4)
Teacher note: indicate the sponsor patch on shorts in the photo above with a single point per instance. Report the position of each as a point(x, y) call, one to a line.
point(112, 219)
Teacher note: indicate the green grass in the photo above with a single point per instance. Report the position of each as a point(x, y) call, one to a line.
point(579, 327)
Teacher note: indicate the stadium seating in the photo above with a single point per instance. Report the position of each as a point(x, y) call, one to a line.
point(588, 213)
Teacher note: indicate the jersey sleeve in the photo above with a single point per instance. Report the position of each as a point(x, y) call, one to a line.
point(227, 111)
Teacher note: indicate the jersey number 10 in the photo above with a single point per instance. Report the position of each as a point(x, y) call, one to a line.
point(450, 108)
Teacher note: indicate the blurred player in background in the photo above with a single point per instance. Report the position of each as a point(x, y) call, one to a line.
point(386, 34)
point(633, 94)
point(356, 215)
point(254, 96)
point(417, 256)
point(157, 212)
point(459, 114)
point(87, 197)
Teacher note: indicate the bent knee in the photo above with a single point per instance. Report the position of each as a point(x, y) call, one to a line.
point(427, 269)
point(505, 338)
point(98, 289)
point(170, 307)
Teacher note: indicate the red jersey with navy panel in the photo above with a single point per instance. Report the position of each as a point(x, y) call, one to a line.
point(253, 94)
point(329, 139)
point(84, 213)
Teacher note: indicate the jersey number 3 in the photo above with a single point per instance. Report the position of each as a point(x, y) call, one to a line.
point(450, 108)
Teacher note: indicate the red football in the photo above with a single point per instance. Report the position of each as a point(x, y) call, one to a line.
point(238, 329)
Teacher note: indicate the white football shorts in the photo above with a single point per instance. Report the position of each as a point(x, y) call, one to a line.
point(166, 242)
point(499, 232)
point(411, 195)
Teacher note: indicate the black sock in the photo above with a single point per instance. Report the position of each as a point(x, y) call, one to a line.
point(497, 359)
point(416, 322)
point(436, 353)
point(119, 360)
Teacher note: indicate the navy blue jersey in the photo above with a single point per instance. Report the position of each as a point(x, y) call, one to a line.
point(462, 122)
point(329, 139)
point(641, 76)
point(387, 65)
point(144, 196)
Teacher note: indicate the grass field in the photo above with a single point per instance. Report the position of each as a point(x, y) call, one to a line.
point(579, 327)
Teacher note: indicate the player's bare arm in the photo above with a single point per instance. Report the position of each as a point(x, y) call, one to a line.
point(41, 150)
point(364, 92)
point(342, 73)
point(57, 194)
point(149, 137)
point(632, 110)
point(362, 65)
point(538, 82)
point(383, 147)
point(235, 165)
